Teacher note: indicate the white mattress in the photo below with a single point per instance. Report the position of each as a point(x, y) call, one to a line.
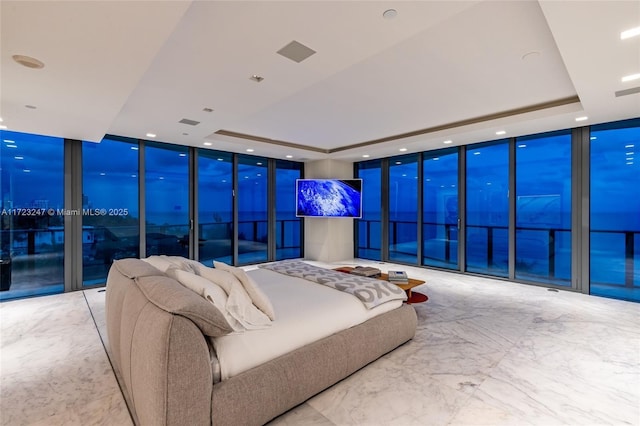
point(305, 312)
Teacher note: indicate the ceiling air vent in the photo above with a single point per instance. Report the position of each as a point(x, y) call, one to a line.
point(295, 51)
point(189, 122)
point(627, 91)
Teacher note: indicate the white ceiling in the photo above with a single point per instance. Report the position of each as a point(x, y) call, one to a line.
point(440, 70)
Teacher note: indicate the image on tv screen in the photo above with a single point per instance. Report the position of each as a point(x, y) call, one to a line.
point(329, 198)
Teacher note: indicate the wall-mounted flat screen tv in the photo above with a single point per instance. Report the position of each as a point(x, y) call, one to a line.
point(329, 198)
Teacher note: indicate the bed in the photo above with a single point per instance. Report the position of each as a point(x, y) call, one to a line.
point(180, 359)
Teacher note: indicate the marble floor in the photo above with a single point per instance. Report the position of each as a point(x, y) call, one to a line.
point(486, 352)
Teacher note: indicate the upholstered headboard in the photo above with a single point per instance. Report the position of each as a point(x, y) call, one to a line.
point(156, 342)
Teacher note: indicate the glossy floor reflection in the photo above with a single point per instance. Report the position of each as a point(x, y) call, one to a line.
point(487, 352)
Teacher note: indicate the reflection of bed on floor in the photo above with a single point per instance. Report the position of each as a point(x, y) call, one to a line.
point(160, 346)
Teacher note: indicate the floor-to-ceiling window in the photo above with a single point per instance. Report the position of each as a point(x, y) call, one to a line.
point(543, 208)
point(615, 210)
point(32, 215)
point(403, 208)
point(487, 183)
point(288, 226)
point(167, 199)
point(252, 209)
point(110, 219)
point(440, 208)
point(369, 227)
point(215, 206)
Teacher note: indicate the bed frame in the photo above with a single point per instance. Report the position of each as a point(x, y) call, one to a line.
point(163, 362)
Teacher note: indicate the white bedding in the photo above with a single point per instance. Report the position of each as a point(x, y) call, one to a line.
point(304, 312)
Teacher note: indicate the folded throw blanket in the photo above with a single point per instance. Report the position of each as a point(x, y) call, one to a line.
point(370, 291)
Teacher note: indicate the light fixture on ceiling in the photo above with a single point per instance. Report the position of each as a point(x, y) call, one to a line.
point(593, 138)
point(288, 156)
point(501, 132)
point(256, 78)
point(522, 146)
point(28, 61)
point(27, 171)
point(398, 162)
point(11, 146)
point(436, 158)
point(103, 174)
point(19, 157)
point(402, 149)
point(134, 148)
point(365, 155)
point(207, 144)
point(250, 149)
point(632, 32)
point(258, 164)
point(182, 154)
point(389, 14)
point(583, 118)
point(447, 142)
point(630, 77)
point(151, 135)
point(9, 141)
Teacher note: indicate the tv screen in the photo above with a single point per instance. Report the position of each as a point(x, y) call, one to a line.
point(329, 198)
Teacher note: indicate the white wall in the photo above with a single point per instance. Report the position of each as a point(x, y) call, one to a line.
point(328, 239)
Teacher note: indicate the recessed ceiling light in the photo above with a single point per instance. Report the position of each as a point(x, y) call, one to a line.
point(182, 154)
point(11, 146)
point(630, 153)
point(402, 149)
point(398, 162)
point(632, 32)
point(436, 158)
point(151, 135)
point(28, 61)
point(389, 14)
point(476, 153)
point(134, 176)
point(134, 148)
point(207, 144)
point(9, 141)
point(103, 174)
point(626, 146)
point(220, 159)
point(447, 142)
point(19, 157)
point(161, 178)
point(288, 156)
point(583, 118)
point(630, 77)
point(258, 164)
point(365, 155)
point(249, 149)
point(522, 146)
point(593, 138)
point(501, 132)
point(27, 171)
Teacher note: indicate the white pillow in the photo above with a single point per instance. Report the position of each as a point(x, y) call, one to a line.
point(159, 262)
point(207, 289)
point(258, 297)
point(239, 304)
